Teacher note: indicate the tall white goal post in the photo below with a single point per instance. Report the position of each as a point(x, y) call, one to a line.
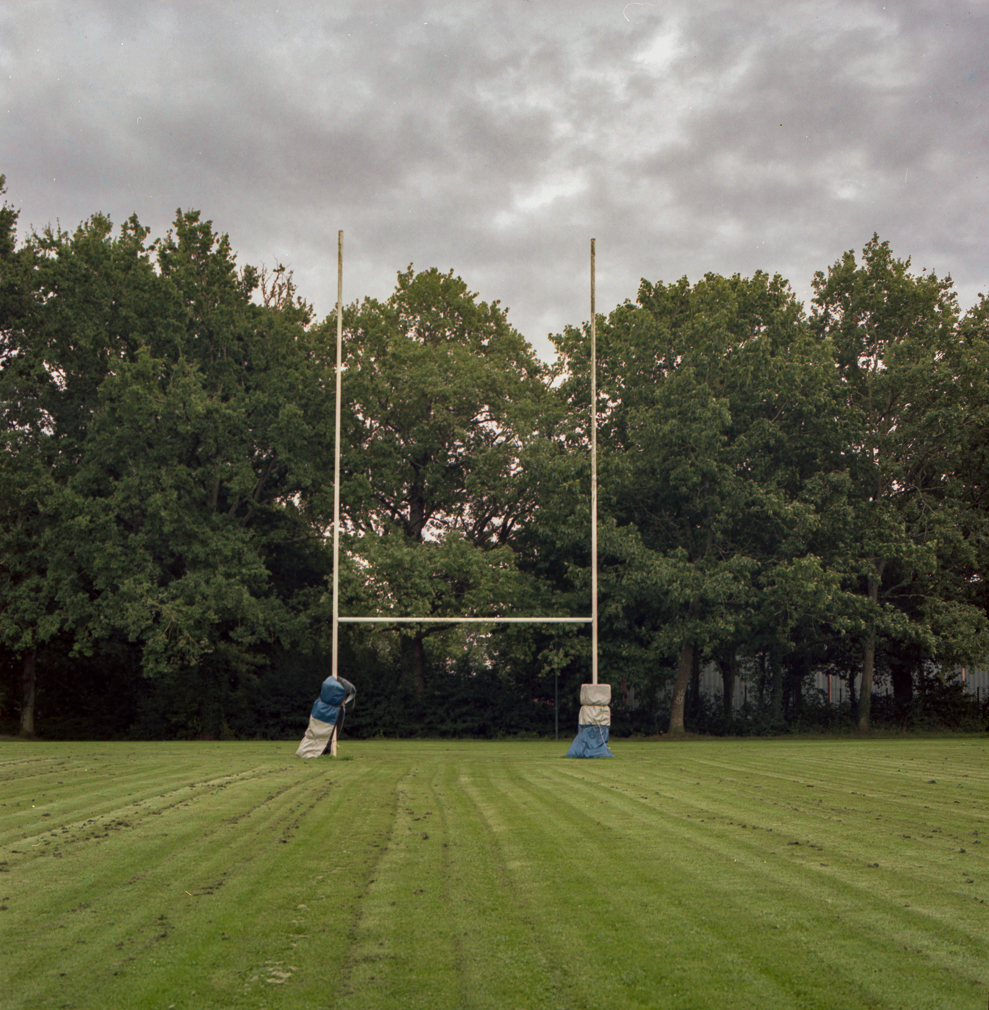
point(338, 619)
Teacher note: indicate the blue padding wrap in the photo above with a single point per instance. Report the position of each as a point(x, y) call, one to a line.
point(591, 742)
point(333, 695)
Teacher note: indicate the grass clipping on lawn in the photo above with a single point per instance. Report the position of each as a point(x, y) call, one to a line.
point(790, 873)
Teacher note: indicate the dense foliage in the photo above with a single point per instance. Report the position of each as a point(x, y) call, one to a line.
point(781, 493)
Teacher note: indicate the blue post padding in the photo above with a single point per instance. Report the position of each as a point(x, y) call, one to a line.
point(591, 742)
point(333, 695)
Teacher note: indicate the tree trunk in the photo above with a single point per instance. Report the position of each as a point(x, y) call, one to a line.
point(684, 671)
point(28, 682)
point(869, 659)
point(865, 690)
point(693, 705)
point(419, 652)
point(776, 685)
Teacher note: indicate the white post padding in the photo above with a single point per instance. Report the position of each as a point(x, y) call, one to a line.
point(593, 723)
point(595, 694)
point(318, 735)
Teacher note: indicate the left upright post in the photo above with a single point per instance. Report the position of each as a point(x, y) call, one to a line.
point(336, 460)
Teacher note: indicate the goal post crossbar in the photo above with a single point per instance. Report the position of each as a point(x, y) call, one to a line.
point(465, 620)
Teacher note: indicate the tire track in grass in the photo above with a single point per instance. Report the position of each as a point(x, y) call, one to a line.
point(444, 924)
point(640, 882)
point(67, 793)
point(169, 862)
point(567, 956)
point(201, 892)
point(845, 814)
point(504, 962)
point(396, 957)
point(336, 850)
point(135, 819)
point(114, 816)
point(851, 839)
point(845, 829)
point(939, 885)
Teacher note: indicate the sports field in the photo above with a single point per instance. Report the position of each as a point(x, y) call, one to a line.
point(701, 874)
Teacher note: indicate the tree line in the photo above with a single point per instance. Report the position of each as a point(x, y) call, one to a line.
point(782, 491)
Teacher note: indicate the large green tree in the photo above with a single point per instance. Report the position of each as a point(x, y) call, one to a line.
point(899, 356)
point(443, 401)
point(70, 316)
point(24, 477)
point(716, 412)
point(178, 429)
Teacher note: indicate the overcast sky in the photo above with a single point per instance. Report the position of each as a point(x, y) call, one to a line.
point(498, 138)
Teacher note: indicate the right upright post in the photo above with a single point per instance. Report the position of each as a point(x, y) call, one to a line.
point(594, 480)
point(594, 721)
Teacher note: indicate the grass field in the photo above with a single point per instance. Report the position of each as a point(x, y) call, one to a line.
point(707, 874)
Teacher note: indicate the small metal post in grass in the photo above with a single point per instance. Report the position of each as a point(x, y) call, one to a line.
point(556, 703)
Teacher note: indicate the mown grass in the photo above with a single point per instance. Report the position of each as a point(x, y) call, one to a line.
point(831, 874)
